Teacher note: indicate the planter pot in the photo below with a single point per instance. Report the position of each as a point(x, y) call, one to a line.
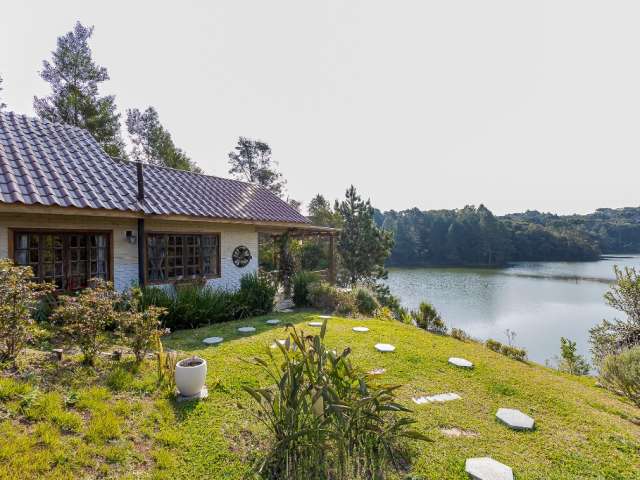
point(191, 374)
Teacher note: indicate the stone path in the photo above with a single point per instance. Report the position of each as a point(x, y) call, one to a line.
point(460, 362)
point(360, 329)
point(384, 347)
point(515, 419)
point(247, 329)
point(212, 340)
point(486, 468)
point(440, 398)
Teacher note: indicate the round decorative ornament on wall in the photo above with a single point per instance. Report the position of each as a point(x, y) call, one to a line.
point(241, 256)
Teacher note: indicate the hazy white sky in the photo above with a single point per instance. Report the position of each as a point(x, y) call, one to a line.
point(435, 104)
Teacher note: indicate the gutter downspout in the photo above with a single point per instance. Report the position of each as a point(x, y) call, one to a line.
point(141, 237)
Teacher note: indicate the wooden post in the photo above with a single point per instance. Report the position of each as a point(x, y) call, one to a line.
point(332, 259)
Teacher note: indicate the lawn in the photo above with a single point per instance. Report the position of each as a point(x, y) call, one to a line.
point(75, 422)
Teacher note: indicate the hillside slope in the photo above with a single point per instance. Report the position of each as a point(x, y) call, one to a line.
point(581, 431)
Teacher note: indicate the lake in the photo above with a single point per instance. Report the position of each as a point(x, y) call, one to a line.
point(540, 301)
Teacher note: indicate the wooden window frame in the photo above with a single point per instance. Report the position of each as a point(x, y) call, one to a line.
point(13, 231)
point(185, 279)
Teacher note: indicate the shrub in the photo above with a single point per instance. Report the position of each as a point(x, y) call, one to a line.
point(301, 282)
point(324, 419)
point(384, 313)
point(571, 362)
point(494, 345)
point(519, 354)
point(613, 337)
point(323, 296)
point(346, 303)
point(19, 296)
point(428, 318)
point(256, 295)
point(621, 373)
point(460, 334)
point(366, 302)
point(140, 327)
point(85, 317)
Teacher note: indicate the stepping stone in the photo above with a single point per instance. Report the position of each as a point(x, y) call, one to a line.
point(385, 347)
point(486, 468)
point(286, 310)
point(273, 321)
point(213, 340)
point(440, 398)
point(515, 419)
point(281, 342)
point(325, 316)
point(460, 362)
point(377, 371)
point(246, 329)
point(204, 393)
point(315, 324)
point(360, 329)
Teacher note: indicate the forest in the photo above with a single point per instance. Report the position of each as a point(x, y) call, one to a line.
point(474, 236)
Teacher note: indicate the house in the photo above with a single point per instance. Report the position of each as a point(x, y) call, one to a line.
point(73, 213)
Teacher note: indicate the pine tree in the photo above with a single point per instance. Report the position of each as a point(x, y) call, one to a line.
point(152, 143)
point(251, 161)
point(75, 100)
point(363, 246)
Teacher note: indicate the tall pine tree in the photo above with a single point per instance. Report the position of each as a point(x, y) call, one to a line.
point(152, 143)
point(363, 246)
point(75, 100)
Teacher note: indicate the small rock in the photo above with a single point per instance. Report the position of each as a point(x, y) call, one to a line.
point(460, 362)
point(377, 371)
point(246, 329)
point(515, 419)
point(486, 468)
point(384, 347)
point(360, 329)
point(440, 398)
point(212, 340)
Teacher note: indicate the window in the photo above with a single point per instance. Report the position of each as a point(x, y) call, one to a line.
point(68, 259)
point(173, 256)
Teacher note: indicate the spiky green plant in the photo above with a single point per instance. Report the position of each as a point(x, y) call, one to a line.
point(325, 418)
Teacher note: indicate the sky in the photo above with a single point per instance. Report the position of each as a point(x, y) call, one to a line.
point(429, 104)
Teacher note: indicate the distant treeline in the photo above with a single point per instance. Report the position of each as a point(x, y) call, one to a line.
point(474, 236)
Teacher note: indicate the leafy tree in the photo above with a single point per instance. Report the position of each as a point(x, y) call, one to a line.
point(612, 337)
point(363, 246)
point(251, 161)
point(74, 79)
point(2, 105)
point(153, 144)
point(321, 213)
point(571, 362)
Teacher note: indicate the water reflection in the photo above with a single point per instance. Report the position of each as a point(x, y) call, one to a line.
point(540, 301)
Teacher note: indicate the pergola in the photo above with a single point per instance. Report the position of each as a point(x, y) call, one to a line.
point(312, 231)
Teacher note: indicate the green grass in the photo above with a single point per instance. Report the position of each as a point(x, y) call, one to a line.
point(129, 430)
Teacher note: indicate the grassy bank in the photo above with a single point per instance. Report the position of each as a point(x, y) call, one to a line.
point(122, 427)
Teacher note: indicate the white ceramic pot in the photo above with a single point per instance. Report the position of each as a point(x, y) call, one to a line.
point(191, 374)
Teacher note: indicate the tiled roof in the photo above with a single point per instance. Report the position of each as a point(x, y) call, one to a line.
point(44, 163)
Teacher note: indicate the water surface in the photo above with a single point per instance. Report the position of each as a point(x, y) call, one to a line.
point(540, 301)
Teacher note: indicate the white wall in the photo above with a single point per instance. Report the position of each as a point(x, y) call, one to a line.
point(125, 254)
